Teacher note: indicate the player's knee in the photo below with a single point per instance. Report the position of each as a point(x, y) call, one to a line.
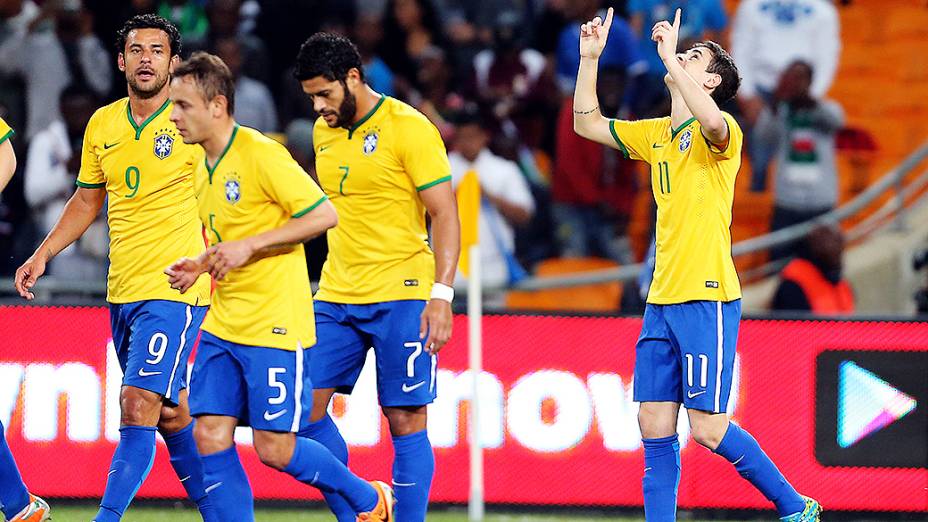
point(139, 407)
point(274, 453)
point(406, 420)
point(172, 420)
point(210, 438)
point(707, 432)
point(321, 400)
point(656, 424)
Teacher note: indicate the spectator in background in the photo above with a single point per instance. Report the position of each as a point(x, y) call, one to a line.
point(190, 18)
point(410, 27)
point(52, 165)
point(255, 107)
point(766, 38)
point(368, 35)
point(469, 25)
point(800, 130)
point(812, 282)
point(702, 19)
point(506, 201)
point(436, 99)
point(621, 49)
point(593, 186)
point(225, 21)
point(56, 49)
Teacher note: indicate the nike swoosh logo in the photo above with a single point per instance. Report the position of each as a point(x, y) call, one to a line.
point(185, 478)
point(143, 373)
point(214, 486)
point(691, 394)
point(656, 146)
point(323, 148)
point(407, 389)
point(268, 416)
point(110, 145)
point(401, 485)
point(111, 472)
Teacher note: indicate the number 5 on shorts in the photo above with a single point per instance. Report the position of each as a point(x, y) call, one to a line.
point(272, 381)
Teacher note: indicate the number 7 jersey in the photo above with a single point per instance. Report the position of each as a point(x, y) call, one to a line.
point(147, 172)
point(693, 183)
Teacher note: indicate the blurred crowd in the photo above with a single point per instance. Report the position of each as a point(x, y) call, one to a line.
point(495, 76)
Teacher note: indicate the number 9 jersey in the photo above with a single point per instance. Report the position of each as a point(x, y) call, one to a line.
point(147, 172)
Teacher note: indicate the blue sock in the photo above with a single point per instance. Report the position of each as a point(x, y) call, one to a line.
point(740, 448)
point(131, 463)
point(413, 468)
point(189, 468)
point(325, 432)
point(313, 464)
point(661, 478)
point(228, 487)
point(14, 497)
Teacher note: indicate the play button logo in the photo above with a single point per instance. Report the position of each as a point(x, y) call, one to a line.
point(867, 404)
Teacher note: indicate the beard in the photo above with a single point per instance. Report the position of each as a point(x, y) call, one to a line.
point(347, 109)
point(147, 92)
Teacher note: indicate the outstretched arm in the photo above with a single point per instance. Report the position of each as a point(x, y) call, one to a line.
point(588, 120)
point(700, 103)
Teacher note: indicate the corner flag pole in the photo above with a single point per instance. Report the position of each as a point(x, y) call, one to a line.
point(475, 507)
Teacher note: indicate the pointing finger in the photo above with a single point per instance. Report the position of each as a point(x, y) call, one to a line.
point(676, 18)
point(608, 23)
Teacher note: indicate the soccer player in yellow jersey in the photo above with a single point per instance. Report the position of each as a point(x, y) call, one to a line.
point(686, 350)
point(134, 159)
point(384, 166)
point(258, 206)
point(15, 501)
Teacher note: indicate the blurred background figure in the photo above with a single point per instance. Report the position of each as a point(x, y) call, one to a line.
point(256, 108)
point(800, 130)
point(410, 28)
point(813, 282)
point(768, 36)
point(368, 35)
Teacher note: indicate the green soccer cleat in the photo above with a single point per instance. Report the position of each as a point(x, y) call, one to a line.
point(811, 513)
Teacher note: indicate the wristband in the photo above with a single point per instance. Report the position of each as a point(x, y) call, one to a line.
point(443, 292)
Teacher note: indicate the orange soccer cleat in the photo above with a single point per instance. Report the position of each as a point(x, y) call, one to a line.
point(36, 511)
point(383, 511)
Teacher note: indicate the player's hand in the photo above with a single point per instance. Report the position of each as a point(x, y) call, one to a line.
point(184, 273)
point(436, 323)
point(666, 36)
point(28, 274)
point(224, 257)
point(593, 36)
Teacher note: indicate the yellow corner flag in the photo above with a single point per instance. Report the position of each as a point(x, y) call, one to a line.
point(468, 196)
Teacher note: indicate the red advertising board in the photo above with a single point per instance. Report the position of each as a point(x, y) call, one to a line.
point(558, 422)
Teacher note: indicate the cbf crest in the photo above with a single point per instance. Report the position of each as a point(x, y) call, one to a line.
point(686, 139)
point(233, 188)
point(164, 143)
point(369, 143)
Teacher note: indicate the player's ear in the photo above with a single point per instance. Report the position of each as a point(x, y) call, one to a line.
point(353, 77)
point(121, 62)
point(712, 81)
point(174, 61)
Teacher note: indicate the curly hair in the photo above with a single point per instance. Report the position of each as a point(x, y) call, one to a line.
point(723, 65)
point(328, 55)
point(149, 21)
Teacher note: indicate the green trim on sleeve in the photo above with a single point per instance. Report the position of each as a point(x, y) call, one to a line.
point(615, 136)
point(81, 184)
point(432, 184)
point(6, 136)
point(715, 148)
point(310, 208)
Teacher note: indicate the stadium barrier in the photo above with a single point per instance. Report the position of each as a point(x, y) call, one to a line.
point(839, 405)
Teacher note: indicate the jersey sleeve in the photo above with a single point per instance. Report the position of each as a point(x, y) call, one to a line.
point(6, 132)
point(286, 183)
point(735, 140)
point(423, 154)
point(91, 174)
point(633, 138)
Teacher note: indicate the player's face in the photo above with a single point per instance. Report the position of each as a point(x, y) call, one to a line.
point(332, 100)
point(694, 62)
point(192, 114)
point(147, 61)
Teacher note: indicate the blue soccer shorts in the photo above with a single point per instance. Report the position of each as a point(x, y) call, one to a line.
point(686, 354)
point(264, 388)
point(153, 341)
point(405, 371)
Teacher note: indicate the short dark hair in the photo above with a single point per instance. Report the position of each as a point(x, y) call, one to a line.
point(149, 21)
point(328, 55)
point(723, 65)
point(211, 75)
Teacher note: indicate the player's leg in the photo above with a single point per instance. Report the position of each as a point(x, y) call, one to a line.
point(16, 502)
point(405, 385)
point(707, 332)
point(334, 363)
point(279, 397)
point(657, 389)
point(218, 401)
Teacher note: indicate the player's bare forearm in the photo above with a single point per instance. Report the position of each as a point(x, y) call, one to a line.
point(446, 230)
point(295, 231)
point(588, 120)
point(699, 102)
point(7, 163)
point(78, 214)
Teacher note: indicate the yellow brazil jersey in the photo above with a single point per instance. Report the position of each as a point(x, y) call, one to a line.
point(5, 131)
point(256, 186)
point(373, 172)
point(147, 172)
point(693, 183)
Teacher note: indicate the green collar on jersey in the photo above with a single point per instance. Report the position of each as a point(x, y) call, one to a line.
point(673, 133)
point(367, 116)
point(212, 169)
point(140, 128)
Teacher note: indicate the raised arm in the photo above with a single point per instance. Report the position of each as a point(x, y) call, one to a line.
point(588, 120)
point(697, 99)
